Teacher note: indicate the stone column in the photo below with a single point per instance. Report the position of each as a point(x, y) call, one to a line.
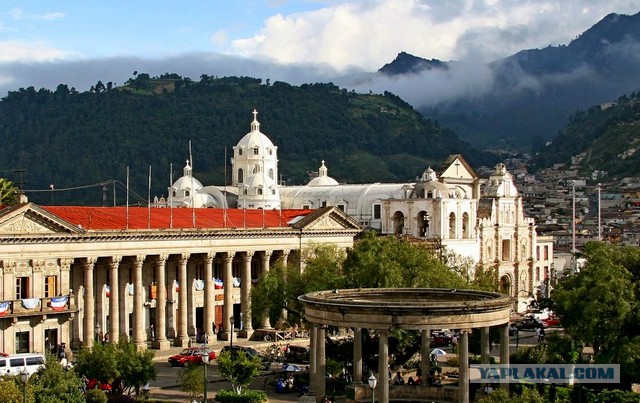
point(321, 364)
point(209, 309)
point(504, 350)
point(227, 309)
point(313, 348)
point(161, 342)
point(484, 345)
point(357, 355)
point(114, 300)
point(182, 338)
point(266, 322)
point(425, 356)
point(139, 335)
point(89, 303)
point(245, 298)
point(383, 366)
point(463, 367)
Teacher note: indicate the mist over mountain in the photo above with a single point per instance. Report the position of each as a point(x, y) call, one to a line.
point(521, 101)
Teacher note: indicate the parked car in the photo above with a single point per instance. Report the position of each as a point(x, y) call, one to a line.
point(190, 356)
point(440, 339)
point(93, 383)
point(251, 352)
point(297, 353)
point(528, 323)
point(551, 321)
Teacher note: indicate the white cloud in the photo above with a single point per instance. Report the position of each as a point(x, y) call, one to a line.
point(15, 51)
point(50, 16)
point(369, 34)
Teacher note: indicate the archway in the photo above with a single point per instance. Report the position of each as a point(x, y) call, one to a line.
point(423, 224)
point(398, 223)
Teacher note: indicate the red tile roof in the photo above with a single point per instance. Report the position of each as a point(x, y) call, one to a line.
point(115, 218)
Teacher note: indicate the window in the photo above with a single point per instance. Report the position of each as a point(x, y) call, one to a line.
point(256, 151)
point(271, 173)
point(239, 151)
point(506, 249)
point(259, 191)
point(341, 206)
point(240, 176)
point(130, 275)
point(186, 193)
point(273, 191)
point(174, 193)
point(22, 287)
point(537, 253)
point(50, 286)
point(22, 345)
point(377, 211)
point(546, 252)
point(465, 225)
point(305, 207)
point(452, 226)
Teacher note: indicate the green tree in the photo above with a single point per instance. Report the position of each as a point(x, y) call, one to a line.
point(52, 384)
point(191, 381)
point(8, 192)
point(11, 390)
point(597, 303)
point(238, 368)
point(122, 360)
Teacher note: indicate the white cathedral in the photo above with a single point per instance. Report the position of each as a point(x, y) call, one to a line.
point(479, 219)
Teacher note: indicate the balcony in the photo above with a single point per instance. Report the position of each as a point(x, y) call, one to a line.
point(38, 307)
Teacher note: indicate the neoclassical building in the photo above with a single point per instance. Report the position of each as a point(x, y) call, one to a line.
point(158, 275)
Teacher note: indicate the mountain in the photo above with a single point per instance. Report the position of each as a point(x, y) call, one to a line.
point(532, 93)
point(405, 63)
point(69, 139)
point(603, 138)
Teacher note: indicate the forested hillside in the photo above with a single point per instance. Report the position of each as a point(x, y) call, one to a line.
point(605, 137)
point(72, 139)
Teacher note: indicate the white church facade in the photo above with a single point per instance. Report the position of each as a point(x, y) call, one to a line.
point(481, 219)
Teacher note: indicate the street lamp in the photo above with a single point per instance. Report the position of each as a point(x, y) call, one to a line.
point(231, 323)
point(205, 361)
point(372, 384)
point(24, 375)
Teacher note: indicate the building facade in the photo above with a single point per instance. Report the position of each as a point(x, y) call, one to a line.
point(160, 277)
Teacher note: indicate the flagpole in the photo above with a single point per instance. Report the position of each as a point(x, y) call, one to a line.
point(127, 209)
point(193, 200)
point(171, 195)
point(149, 201)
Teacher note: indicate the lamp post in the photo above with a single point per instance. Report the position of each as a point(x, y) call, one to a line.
point(205, 361)
point(372, 384)
point(24, 375)
point(231, 323)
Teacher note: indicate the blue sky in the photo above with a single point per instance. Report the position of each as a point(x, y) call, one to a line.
point(47, 42)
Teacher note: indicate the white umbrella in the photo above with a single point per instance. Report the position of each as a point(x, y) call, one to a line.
point(291, 368)
point(438, 351)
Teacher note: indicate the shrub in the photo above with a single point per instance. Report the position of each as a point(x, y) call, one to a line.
point(95, 396)
point(246, 396)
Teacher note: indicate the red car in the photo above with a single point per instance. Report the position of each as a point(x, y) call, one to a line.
point(95, 384)
point(551, 321)
point(440, 339)
point(190, 356)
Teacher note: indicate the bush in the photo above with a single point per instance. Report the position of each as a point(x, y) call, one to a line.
point(247, 396)
point(95, 396)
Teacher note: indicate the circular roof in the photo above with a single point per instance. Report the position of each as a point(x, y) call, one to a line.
point(255, 138)
point(187, 182)
point(407, 308)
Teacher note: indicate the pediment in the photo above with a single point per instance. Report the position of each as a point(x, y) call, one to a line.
point(29, 219)
point(327, 219)
point(456, 167)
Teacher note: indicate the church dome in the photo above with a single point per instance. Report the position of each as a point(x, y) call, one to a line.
point(323, 179)
point(429, 187)
point(255, 139)
point(186, 182)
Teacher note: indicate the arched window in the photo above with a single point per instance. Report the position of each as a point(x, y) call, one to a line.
point(186, 193)
point(259, 191)
point(452, 226)
point(423, 224)
point(240, 175)
point(505, 285)
point(398, 223)
point(271, 173)
point(465, 225)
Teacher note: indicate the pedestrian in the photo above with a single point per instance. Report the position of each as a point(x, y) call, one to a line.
point(538, 333)
point(62, 353)
point(541, 335)
point(106, 339)
point(152, 332)
point(205, 338)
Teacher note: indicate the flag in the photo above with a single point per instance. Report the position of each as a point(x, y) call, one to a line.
point(4, 307)
point(59, 303)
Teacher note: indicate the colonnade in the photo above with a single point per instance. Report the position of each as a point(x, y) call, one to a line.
point(145, 270)
point(317, 360)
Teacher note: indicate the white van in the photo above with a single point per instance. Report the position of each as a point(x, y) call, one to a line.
point(14, 364)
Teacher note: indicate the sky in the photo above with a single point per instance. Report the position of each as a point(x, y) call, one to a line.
point(78, 42)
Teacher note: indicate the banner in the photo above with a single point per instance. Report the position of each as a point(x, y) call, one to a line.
point(4, 307)
point(544, 373)
point(59, 303)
